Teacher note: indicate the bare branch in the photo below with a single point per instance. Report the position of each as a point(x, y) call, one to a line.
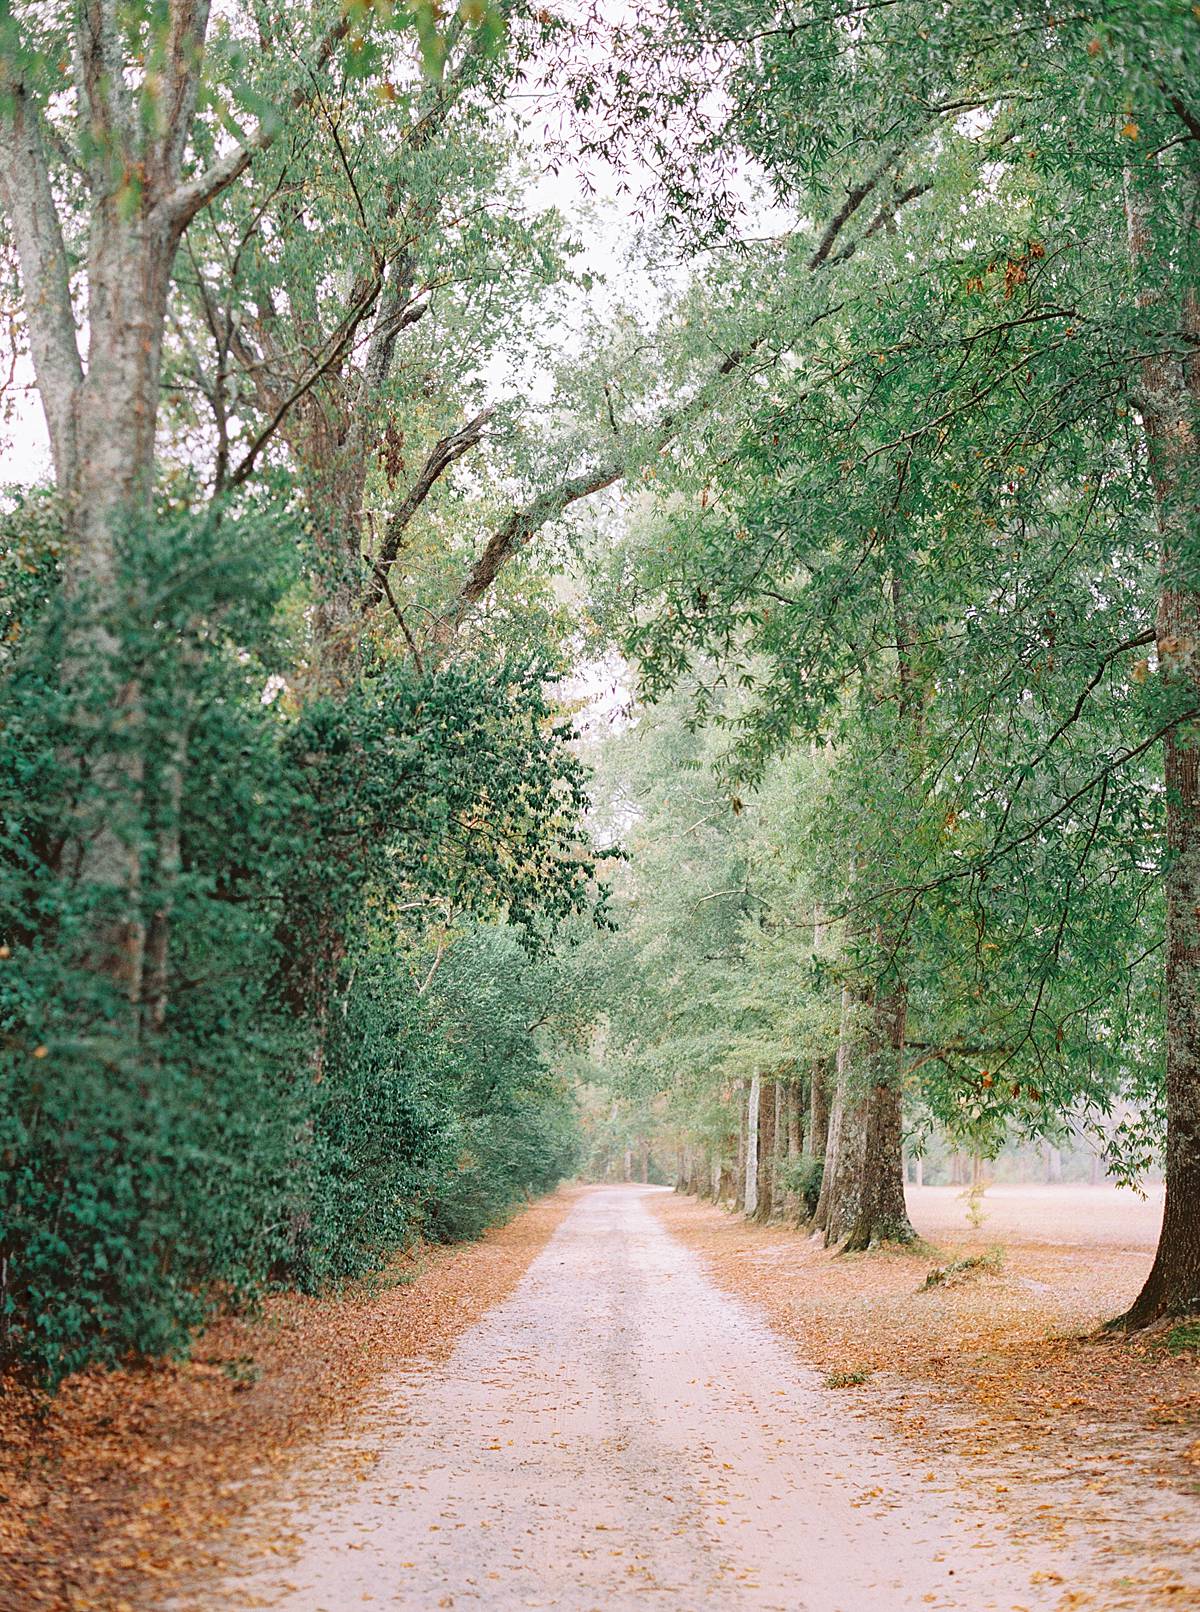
point(854, 200)
point(524, 523)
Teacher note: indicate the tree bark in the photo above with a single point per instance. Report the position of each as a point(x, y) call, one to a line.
point(1170, 399)
point(841, 1179)
point(753, 1102)
point(768, 1115)
point(818, 1107)
point(795, 1120)
point(882, 1213)
point(739, 1176)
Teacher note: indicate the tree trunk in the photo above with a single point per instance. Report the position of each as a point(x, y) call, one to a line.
point(818, 1107)
point(1170, 397)
point(753, 1100)
point(695, 1182)
point(795, 1120)
point(739, 1180)
point(876, 1212)
point(768, 1112)
point(866, 1188)
point(841, 1180)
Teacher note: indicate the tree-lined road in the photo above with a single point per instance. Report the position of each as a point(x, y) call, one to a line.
point(620, 1433)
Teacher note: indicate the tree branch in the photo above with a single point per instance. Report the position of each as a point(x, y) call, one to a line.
point(386, 585)
point(525, 522)
point(441, 457)
point(188, 198)
point(336, 348)
point(187, 26)
point(42, 256)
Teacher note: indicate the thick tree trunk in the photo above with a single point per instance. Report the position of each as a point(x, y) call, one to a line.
point(862, 1188)
point(1171, 397)
point(882, 1213)
point(108, 497)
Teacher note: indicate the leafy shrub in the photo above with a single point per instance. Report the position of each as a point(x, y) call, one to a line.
point(283, 1104)
point(802, 1178)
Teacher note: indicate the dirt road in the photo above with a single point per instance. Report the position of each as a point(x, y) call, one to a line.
point(620, 1433)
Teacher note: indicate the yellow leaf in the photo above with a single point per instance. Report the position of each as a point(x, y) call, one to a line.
point(1131, 130)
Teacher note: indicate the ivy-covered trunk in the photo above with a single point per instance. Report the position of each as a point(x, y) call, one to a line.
point(862, 1187)
point(101, 415)
point(107, 498)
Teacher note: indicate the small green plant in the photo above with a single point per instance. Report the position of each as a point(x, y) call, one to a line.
point(846, 1379)
point(1184, 1338)
point(975, 1209)
point(959, 1271)
point(243, 1372)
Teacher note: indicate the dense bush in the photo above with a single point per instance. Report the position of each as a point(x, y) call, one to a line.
point(284, 1104)
point(802, 1178)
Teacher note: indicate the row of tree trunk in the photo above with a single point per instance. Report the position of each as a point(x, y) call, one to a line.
point(782, 1118)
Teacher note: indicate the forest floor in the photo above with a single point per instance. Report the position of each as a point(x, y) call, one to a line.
point(1084, 1441)
point(116, 1487)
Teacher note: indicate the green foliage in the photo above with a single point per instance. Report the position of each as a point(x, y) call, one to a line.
point(1184, 1339)
point(847, 1379)
point(802, 1178)
point(960, 1271)
point(284, 1103)
point(910, 573)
